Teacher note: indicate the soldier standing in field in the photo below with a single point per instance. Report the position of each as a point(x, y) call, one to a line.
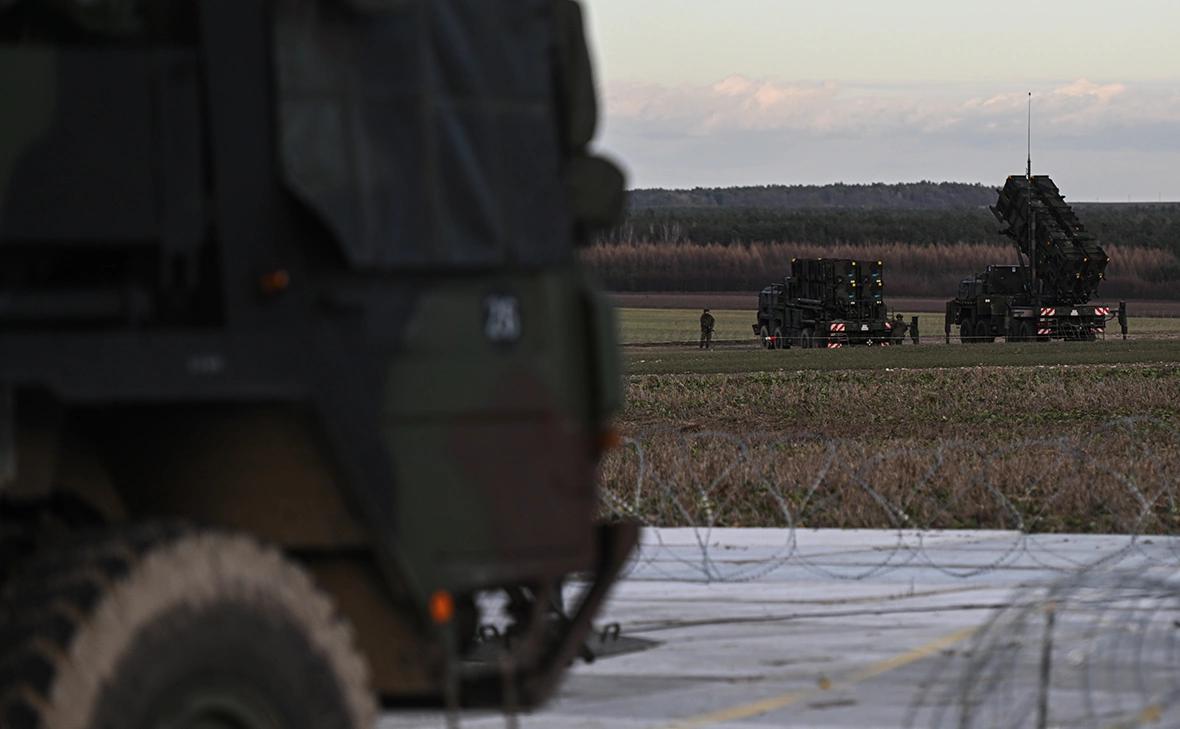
point(707, 323)
point(898, 332)
point(914, 329)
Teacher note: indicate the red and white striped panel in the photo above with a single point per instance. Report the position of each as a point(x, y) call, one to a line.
point(835, 345)
point(1048, 311)
point(1101, 311)
point(1100, 330)
point(1044, 332)
point(837, 326)
point(884, 344)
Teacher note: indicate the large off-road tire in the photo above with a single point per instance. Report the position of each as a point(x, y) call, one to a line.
point(1012, 333)
point(967, 332)
point(170, 627)
point(983, 332)
point(779, 341)
point(1026, 331)
point(765, 335)
point(807, 339)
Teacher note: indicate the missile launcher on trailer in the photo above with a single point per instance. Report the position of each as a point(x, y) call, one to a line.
point(826, 303)
point(1048, 295)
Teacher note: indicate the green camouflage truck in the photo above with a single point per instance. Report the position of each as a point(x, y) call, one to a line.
point(1047, 295)
point(825, 303)
point(298, 371)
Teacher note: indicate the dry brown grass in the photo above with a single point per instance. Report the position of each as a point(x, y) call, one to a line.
point(1093, 449)
point(990, 403)
point(910, 270)
point(1119, 480)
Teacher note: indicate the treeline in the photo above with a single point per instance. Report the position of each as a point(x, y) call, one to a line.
point(907, 195)
point(1152, 225)
point(910, 270)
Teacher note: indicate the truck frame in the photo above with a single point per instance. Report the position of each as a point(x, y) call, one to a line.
point(825, 303)
point(986, 309)
point(297, 359)
point(1047, 295)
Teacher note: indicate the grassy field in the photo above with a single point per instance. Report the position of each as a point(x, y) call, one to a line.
point(675, 360)
point(660, 326)
point(990, 403)
point(1085, 448)
point(1058, 436)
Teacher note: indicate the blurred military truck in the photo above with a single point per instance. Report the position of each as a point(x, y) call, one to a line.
point(1047, 296)
point(296, 361)
point(826, 303)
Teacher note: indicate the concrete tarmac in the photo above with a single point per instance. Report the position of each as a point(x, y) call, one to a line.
point(817, 628)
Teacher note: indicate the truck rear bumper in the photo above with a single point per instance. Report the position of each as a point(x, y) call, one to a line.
point(530, 670)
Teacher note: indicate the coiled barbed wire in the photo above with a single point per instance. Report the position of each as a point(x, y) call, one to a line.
point(1099, 648)
point(1121, 478)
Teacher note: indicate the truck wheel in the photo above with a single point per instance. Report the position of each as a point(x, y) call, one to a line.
point(1026, 331)
point(778, 339)
point(967, 332)
point(983, 332)
point(765, 334)
point(171, 627)
point(805, 339)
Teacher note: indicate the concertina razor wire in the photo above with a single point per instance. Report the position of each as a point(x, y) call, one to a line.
point(1120, 478)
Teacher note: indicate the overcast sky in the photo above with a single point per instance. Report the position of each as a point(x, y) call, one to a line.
point(733, 92)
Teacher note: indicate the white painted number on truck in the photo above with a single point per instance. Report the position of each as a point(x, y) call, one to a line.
point(502, 318)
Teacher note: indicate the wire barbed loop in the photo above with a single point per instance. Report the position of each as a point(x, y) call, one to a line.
point(1120, 478)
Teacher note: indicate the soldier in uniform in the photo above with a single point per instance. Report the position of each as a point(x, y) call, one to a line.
point(898, 331)
point(914, 329)
point(707, 323)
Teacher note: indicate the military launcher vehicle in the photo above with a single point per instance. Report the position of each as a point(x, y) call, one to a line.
point(1048, 295)
point(826, 303)
point(296, 359)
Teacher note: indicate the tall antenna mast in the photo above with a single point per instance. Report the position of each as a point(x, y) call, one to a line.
point(1034, 289)
point(1028, 173)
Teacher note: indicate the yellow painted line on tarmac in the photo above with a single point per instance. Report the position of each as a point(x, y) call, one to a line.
point(774, 703)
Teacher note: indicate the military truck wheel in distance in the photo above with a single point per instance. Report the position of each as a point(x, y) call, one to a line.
point(807, 339)
point(967, 331)
point(983, 332)
point(179, 628)
point(779, 341)
point(1026, 331)
point(764, 335)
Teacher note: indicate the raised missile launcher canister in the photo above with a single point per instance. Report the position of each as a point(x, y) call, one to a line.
point(1049, 296)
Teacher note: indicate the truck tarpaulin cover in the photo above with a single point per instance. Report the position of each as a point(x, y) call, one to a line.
point(424, 132)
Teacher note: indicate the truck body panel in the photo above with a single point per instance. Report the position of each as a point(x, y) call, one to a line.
point(1047, 296)
point(825, 303)
point(220, 272)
